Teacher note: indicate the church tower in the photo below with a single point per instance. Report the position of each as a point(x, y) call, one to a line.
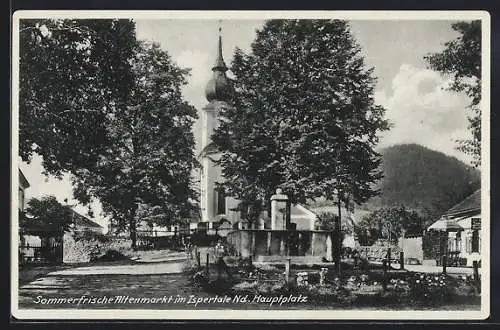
point(214, 204)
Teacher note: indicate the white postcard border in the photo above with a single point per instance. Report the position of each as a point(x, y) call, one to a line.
point(62, 314)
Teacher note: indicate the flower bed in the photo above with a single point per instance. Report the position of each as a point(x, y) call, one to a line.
point(410, 289)
point(371, 287)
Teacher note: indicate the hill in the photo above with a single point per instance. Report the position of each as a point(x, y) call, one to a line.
point(424, 180)
point(419, 178)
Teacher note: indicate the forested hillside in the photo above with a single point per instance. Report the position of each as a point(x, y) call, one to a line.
point(421, 179)
point(425, 180)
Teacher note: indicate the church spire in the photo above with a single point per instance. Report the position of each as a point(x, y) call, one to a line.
point(219, 62)
point(218, 87)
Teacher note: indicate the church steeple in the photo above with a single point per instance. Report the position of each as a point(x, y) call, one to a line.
point(219, 62)
point(218, 87)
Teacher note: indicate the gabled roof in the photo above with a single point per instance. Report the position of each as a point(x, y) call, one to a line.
point(346, 216)
point(82, 221)
point(209, 149)
point(301, 211)
point(470, 204)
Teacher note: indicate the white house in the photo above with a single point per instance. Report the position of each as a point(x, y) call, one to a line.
point(465, 240)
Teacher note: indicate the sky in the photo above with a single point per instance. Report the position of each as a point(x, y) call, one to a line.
point(417, 105)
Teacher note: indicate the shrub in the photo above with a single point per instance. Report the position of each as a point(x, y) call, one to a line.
point(112, 255)
point(430, 288)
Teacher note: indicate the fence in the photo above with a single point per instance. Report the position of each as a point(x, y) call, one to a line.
point(177, 240)
point(51, 254)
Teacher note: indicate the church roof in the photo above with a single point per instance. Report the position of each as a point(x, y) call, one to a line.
point(209, 149)
point(218, 87)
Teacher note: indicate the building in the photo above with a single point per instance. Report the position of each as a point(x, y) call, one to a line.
point(217, 209)
point(82, 224)
point(287, 230)
point(462, 223)
point(215, 205)
point(25, 239)
point(23, 185)
point(467, 214)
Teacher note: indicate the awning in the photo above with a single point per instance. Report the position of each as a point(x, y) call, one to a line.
point(445, 225)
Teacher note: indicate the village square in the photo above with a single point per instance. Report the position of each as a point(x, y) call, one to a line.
point(275, 172)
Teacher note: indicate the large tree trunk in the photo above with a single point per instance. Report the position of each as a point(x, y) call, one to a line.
point(133, 232)
point(338, 238)
point(133, 224)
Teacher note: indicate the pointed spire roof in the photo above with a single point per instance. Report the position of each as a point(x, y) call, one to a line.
point(219, 62)
point(218, 87)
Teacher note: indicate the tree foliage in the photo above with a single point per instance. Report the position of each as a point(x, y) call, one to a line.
point(388, 223)
point(108, 109)
point(46, 217)
point(326, 221)
point(303, 116)
point(462, 59)
point(71, 72)
point(147, 164)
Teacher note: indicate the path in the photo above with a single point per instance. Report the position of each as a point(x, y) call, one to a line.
point(136, 269)
point(439, 269)
point(148, 263)
point(148, 275)
point(432, 269)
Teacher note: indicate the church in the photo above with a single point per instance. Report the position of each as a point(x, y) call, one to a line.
point(217, 208)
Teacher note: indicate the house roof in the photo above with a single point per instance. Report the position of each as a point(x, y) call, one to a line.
point(445, 225)
point(209, 149)
point(301, 211)
point(470, 204)
point(82, 221)
point(22, 180)
point(358, 213)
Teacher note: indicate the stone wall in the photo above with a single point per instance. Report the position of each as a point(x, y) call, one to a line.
point(251, 242)
point(78, 249)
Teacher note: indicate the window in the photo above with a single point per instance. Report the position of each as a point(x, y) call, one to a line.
point(475, 241)
point(221, 201)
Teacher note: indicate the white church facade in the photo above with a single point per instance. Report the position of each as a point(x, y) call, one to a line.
point(215, 205)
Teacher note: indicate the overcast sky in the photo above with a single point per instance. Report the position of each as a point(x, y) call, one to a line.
point(420, 110)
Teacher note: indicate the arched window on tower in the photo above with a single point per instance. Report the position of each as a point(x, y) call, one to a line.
point(220, 201)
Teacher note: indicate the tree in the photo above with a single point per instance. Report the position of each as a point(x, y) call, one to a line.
point(46, 217)
point(150, 157)
point(303, 116)
point(71, 74)
point(326, 221)
point(388, 223)
point(462, 59)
